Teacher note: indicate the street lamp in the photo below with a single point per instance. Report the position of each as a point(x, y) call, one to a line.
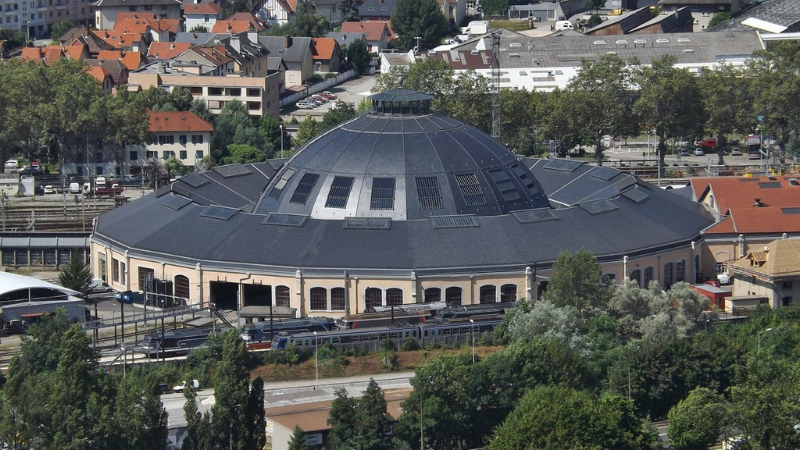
point(316, 361)
point(759, 338)
point(472, 322)
point(281, 141)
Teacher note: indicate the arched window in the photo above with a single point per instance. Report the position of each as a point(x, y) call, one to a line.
point(636, 276)
point(282, 296)
point(182, 287)
point(319, 298)
point(667, 275)
point(394, 297)
point(508, 293)
point(452, 296)
point(373, 297)
point(337, 299)
point(488, 294)
point(680, 270)
point(648, 276)
point(433, 295)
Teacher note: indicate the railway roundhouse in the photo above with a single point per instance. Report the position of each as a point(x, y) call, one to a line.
point(401, 205)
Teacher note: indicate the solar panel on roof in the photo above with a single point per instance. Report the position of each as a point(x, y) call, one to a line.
point(790, 210)
point(625, 183)
point(233, 170)
point(563, 165)
point(604, 173)
point(505, 185)
point(304, 188)
point(176, 202)
point(218, 212)
point(286, 220)
point(382, 194)
point(367, 223)
point(598, 206)
point(526, 179)
point(636, 195)
point(180, 190)
point(461, 221)
point(340, 192)
point(196, 180)
point(534, 215)
point(769, 185)
point(471, 189)
point(429, 193)
point(281, 183)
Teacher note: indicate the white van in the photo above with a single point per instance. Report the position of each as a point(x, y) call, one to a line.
point(74, 188)
point(11, 164)
point(562, 25)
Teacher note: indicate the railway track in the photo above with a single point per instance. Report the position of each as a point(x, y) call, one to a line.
point(28, 216)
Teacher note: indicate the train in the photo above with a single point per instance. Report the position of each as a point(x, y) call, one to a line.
point(258, 332)
point(177, 342)
point(422, 334)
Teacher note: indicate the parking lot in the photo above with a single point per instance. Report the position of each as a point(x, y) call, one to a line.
point(351, 91)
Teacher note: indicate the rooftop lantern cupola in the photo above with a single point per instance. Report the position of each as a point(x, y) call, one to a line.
point(402, 102)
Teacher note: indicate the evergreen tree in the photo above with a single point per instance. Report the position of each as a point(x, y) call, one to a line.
point(576, 281)
point(231, 383)
point(358, 55)
point(372, 420)
point(342, 419)
point(418, 18)
point(76, 275)
point(349, 10)
point(298, 441)
point(254, 417)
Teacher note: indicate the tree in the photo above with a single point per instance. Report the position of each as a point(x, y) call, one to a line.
point(298, 440)
point(200, 109)
point(349, 10)
point(198, 430)
point(24, 104)
point(551, 417)
point(198, 29)
point(718, 19)
point(174, 166)
point(308, 129)
point(60, 29)
point(231, 384)
point(726, 102)
point(76, 275)
point(494, 7)
point(254, 417)
point(140, 419)
point(304, 22)
point(271, 129)
point(372, 420)
point(595, 5)
point(342, 112)
point(233, 126)
point(181, 98)
point(358, 56)
point(576, 282)
point(12, 38)
point(418, 18)
point(695, 423)
point(668, 101)
point(342, 419)
point(545, 320)
point(605, 99)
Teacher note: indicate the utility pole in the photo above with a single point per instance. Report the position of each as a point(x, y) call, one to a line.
point(496, 84)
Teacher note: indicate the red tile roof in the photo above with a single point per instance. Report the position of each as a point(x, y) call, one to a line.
point(52, 53)
point(216, 55)
point(31, 54)
point(736, 196)
point(210, 8)
point(324, 48)
point(99, 73)
point(231, 26)
point(167, 121)
point(373, 29)
point(76, 50)
point(139, 26)
point(171, 25)
point(167, 50)
point(117, 39)
point(133, 60)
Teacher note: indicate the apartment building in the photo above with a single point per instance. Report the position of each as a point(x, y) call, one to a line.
point(106, 10)
point(29, 17)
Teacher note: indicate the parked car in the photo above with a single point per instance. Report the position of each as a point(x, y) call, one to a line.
point(724, 278)
point(28, 172)
point(685, 152)
point(329, 95)
point(49, 189)
point(302, 104)
point(132, 179)
point(97, 285)
point(179, 388)
point(320, 98)
point(736, 151)
point(11, 164)
point(714, 283)
point(699, 151)
point(163, 388)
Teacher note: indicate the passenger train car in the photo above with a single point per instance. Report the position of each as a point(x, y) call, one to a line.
point(177, 342)
point(262, 331)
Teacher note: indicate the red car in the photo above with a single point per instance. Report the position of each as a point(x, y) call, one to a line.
point(714, 283)
point(329, 95)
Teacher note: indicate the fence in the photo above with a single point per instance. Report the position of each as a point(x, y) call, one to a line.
point(318, 87)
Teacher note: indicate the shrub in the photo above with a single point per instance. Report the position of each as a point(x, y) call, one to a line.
point(409, 345)
point(389, 360)
point(387, 345)
point(330, 75)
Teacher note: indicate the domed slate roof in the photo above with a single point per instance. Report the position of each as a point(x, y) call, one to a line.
point(402, 161)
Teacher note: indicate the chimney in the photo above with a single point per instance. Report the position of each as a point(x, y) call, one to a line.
point(235, 43)
point(171, 45)
point(757, 203)
point(288, 41)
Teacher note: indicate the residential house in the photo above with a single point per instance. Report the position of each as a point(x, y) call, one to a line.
point(751, 212)
point(376, 10)
point(275, 11)
point(85, 36)
point(260, 95)
point(131, 60)
point(327, 55)
point(30, 18)
point(106, 10)
point(130, 42)
point(249, 55)
point(297, 54)
point(102, 76)
point(770, 16)
point(115, 67)
point(166, 50)
point(207, 61)
point(345, 39)
point(154, 30)
point(455, 11)
point(378, 33)
point(46, 55)
point(642, 21)
point(203, 15)
point(329, 9)
point(771, 272)
point(702, 10)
